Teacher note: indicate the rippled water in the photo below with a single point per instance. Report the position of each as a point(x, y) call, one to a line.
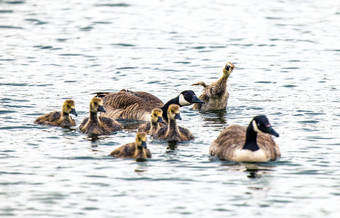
point(286, 55)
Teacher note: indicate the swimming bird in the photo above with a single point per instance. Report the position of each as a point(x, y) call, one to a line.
point(154, 124)
point(216, 94)
point(62, 119)
point(138, 105)
point(137, 149)
point(172, 132)
point(251, 144)
point(98, 125)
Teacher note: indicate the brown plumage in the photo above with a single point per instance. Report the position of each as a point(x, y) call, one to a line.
point(171, 131)
point(216, 94)
point(138, 105)
point(251, 144)
point(62, 119)
point(98, 125)
point(137, 149)
point(154, 124)
point(126, 104)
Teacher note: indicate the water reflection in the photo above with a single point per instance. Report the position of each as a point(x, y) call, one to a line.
point(172, 145)
point(142, 166)
point(253, 170)
point(215, 117)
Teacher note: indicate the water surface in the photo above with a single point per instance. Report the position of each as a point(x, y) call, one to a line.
point(286, 55)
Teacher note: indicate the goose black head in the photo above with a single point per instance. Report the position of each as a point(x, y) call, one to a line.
point(188, 97)
point(96, 105)
point(229, 67)
point(69, 107)
point(261, 124)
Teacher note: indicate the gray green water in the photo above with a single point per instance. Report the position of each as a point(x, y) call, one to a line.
point(286, 55)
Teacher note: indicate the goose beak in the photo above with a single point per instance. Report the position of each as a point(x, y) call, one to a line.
point(74, 112)
point(196, 100)
point(144, 145)
point(178, 116)
point(101, 109)
point(271, 131)
point(160, 120)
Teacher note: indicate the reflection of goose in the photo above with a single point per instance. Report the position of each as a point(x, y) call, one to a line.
point(241, 144)
point(126, 104)
point(137, 149)
point(171, 131)
point(98, 125)
point(153, 125)
point(216, 94)
point(62, 118)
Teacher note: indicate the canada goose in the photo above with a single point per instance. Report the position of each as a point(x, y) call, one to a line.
point(154, 124)
point(137, 149)
point(98, 125)
point(172, 132)
point(138, 105)
point(241, 144)
point(215, 95)
point(62, 118)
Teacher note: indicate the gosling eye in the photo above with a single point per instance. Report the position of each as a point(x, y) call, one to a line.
point(96, 103)
point(68, 106)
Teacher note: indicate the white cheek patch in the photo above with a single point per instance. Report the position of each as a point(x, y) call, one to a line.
point(182, 101)
point(256, 129)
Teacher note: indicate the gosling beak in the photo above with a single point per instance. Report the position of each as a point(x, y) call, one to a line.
point(271, 131)
point(101, 109)
point(160, 120)
point(74, 112)
point(144, 145)
point(196, 100)
point(178, 116)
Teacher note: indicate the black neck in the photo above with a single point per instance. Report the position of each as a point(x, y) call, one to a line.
point(251, 136)
point(93, 116)
point(166, 106)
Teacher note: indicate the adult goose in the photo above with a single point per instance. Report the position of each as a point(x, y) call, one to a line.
point(138, 105)
point(247, 144)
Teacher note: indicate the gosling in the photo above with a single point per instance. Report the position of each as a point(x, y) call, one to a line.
point(95, 125)
point(62, 119)
point(216, 94)
point(172, 132)
point(154, 124)
point(137, 149)
point(251, 144)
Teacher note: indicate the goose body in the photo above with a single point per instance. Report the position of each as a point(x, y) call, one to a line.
point(138, 105)
point(62, 119)
point(171, 131)
point(98, 125)
point(154, 124)
point(137, 149)
point(247, 144)
point(216, 94)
